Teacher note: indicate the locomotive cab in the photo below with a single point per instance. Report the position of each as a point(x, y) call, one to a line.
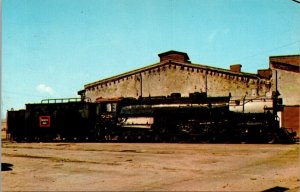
point(107, 111)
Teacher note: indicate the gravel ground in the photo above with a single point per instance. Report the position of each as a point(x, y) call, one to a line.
point(149, 167)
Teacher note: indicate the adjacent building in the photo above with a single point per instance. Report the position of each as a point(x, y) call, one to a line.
point(286, 78)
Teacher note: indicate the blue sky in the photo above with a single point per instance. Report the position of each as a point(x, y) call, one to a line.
point(51, 48)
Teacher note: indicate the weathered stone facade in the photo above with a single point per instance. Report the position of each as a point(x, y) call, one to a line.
point(176, 74)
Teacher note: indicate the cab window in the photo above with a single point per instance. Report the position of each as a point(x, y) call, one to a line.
point(108, 107)
point(114, 107)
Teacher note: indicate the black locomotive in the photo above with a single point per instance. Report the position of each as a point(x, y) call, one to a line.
point(196, 118)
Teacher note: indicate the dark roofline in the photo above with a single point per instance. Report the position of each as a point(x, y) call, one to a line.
point(284, 56)
point(286, 66)
point(191, 65)
point(174, 52)
point(122, 75)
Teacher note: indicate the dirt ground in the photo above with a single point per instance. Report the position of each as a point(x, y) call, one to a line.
point(149, 167)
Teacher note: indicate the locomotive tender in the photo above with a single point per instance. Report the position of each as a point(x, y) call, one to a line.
point(196, 118)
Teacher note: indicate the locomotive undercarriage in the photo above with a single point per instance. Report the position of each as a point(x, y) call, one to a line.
point(183, 132)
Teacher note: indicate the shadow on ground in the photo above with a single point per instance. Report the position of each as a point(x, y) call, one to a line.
point(6, 167)
point(276, 189)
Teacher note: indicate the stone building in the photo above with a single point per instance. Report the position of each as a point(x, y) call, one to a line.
point(287, 70)
point(175, 73)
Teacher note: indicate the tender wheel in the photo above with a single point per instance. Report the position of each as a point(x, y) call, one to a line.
point(271, 138)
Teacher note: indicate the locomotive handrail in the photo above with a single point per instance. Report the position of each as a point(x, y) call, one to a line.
point(62, 100)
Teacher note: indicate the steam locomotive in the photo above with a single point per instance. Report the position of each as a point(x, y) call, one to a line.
point(196, 118)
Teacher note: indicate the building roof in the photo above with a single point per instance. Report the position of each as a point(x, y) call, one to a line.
point(273, 56)
point(285, 62)
point(168, 62)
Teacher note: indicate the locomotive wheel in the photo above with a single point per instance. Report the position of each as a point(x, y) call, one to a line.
point(17, 139)
point(157, 138)
point(271, 138)
point(174, 139)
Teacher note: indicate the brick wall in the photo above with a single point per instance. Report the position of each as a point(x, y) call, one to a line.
point(174, 56)
point(264, 73)
point(236, 68)
point(291, 118)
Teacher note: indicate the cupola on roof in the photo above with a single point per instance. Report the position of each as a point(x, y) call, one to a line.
point(174, 56)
